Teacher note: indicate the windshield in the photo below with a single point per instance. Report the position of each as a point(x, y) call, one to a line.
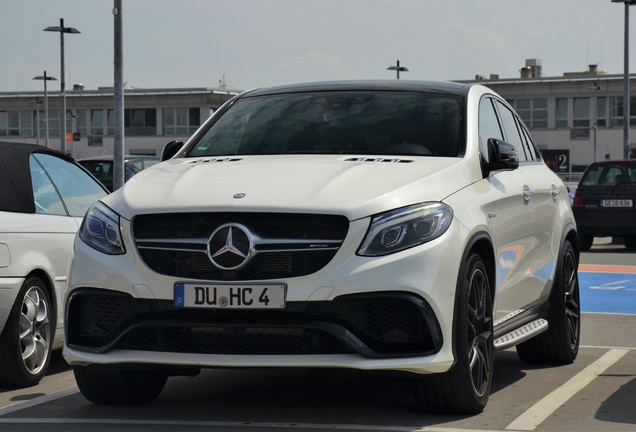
point(356, 122)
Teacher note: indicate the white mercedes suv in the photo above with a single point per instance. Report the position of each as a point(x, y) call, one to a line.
point(397, 226)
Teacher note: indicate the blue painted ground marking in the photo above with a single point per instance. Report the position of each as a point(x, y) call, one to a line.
point(608, 292)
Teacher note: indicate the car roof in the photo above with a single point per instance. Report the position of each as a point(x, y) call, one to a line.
point(614, 162)
point(16, 193)
point(361, 85)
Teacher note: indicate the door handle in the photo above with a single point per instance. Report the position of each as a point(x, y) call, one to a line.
point(527, 193)
point(555, 191)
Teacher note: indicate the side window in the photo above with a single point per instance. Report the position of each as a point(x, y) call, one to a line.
point(488, 125)
point(533, 154)
point(511, 130)
point(77, 190)
point(46, 197)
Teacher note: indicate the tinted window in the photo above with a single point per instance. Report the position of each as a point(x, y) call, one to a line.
point(76, 189)
point(609, 174)
point(379, 123)
point(488, 125)
point(511, 130)
point(533, 154)
point(102, 170)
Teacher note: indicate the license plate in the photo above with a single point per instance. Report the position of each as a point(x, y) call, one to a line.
point(616, 203)
point(229, 296)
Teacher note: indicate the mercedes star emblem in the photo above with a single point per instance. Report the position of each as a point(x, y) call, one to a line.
point(230, 246)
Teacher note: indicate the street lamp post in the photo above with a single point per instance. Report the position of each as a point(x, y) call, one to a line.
point(45, 78)
point(626, 98)
point(399, 68)
point(61, 29)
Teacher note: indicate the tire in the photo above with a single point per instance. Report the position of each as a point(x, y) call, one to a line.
point(560, 343)
point(465, 388)
point(119, 387)
point(27, 337)
point(586, 241)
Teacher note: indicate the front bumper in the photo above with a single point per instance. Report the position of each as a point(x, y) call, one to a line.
point(385, 313)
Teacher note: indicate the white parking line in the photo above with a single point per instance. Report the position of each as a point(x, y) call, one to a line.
point(533, 417)
point(528, 421)
point(37, 401)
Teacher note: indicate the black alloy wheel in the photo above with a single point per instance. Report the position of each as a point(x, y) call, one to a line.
point(560, 343)
point(465, 388)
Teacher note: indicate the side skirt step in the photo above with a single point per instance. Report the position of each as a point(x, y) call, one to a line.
point(521, 334)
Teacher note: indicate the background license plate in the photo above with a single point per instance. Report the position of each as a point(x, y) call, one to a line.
point(229, 296)
point(616, 203)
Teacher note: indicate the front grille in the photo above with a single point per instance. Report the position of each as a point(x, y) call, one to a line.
point(372, 325)
point(286, 245)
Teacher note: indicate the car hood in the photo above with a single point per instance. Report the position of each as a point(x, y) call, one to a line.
point(334, 184)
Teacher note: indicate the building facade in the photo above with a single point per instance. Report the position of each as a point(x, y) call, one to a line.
point(576, 118)
point(152, 118)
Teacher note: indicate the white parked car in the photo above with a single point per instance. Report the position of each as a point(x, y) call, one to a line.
point(387, 226)
point(43, 197)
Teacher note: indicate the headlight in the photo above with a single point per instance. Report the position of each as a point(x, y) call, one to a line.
point(406, 227)
point(100, 230)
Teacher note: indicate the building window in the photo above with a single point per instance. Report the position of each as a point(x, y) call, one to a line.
point(616, 106)
point(81, 122)
point(54, 123)
point(181, 121)
point(4, 122)
point(581, 121)
point(533, 112)
point(601, 112)
point(110, 117)
point(97, 122)
point(138, 122)
point(561, 113)
point(17, 123)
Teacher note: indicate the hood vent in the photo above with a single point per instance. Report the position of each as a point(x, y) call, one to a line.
point(214, 160)
point(378, 159)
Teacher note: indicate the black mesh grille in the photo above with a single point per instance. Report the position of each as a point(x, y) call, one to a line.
point(210, 339)
point(168, 259)
point(197, 265)
point(380, 324)
point(277, 225)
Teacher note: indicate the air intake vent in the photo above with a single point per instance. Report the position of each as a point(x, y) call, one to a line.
point(214, 160)
point(378, 159)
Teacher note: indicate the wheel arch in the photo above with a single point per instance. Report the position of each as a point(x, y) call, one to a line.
point(570, 234)
point(50, 290)
point(481, 243)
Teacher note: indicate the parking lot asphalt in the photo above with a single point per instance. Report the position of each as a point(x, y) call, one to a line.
point(595, 393)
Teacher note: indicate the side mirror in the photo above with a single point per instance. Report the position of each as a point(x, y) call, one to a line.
point(501, 156)
point(170, 149)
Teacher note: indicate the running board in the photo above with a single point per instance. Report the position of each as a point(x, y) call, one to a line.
point(521, 334)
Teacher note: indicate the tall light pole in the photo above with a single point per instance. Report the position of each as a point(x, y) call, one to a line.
point(626, 98)
point(45, 78)
point(61, 29)
point(118, 106)
point(399, 68)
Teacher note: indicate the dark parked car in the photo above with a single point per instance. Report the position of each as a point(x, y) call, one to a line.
point(604, 202)
point(102, 167)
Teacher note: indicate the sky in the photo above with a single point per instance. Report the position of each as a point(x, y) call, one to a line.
point(256, 43)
